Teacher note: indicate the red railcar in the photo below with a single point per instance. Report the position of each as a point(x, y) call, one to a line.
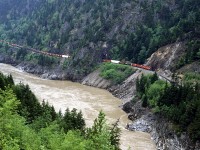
point(141, 66)
point(106, 60)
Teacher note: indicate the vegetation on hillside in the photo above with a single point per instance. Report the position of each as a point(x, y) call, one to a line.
point(27, 124)
point(164, 24)
point(180, 103)
point(115, 72)
point(86, 30)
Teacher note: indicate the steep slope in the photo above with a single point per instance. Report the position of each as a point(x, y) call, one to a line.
point(92, 30)
point(94, 79)
point(173, 58)
point(167, 57)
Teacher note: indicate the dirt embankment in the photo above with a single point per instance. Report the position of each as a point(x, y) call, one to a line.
point(94, 79)
point(124, 91)
point(167, 57)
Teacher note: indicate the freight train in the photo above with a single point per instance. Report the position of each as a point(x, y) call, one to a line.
point(35, 50)
point(128, 63)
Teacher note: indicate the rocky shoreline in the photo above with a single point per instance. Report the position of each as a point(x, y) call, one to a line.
point(160, 129)
point(56, 73)
point(43, 72)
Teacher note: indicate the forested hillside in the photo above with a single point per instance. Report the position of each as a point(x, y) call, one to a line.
point(90, 30)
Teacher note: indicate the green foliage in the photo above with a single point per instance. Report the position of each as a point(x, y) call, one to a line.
point(193, 128)
point(115, 72)
point(154, 91)
point(45, 60)
point(191, 78)
point(102, 138)
point(44, 117)
point(29, 108)
point(115, 135)
point(8, 101)
point(74, 141)
point(70, 26)
point(25, 124)
point(5, 81)
point(14, 134)
point(179, 103)
point(170, 24)
point(65, 64)
point(144, 101)
point(21, 53)
point(144, 82)
point(149, 88)
point(192, 53)
point(72, 120)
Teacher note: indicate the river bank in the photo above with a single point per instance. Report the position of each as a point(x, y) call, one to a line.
point(143, 119)
point(90, 100)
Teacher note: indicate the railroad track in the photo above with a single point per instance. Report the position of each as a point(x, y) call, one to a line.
point(142, 67)
point(34, 50)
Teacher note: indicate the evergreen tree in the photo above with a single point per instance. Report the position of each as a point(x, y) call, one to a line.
point(115, 135)
point(154, 78)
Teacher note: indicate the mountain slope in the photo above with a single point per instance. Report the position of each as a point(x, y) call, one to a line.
point(92, 30)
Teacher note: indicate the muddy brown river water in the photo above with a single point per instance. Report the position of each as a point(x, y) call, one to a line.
point(63, 94)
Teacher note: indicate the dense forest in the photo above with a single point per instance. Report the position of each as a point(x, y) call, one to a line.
point(179, 102)
point(91, 30)
point(27, 124)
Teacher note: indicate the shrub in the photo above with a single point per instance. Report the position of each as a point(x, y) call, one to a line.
point(115, 72)
point(154, 92)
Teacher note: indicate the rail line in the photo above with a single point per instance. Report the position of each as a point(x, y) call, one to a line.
point(68, 56)
point(34, 50)
point(144, 67)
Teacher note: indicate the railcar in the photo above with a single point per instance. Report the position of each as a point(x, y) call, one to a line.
point(141, 66)
point(128, 63)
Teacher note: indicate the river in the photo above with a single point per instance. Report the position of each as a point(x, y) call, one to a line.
point(63, 94)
